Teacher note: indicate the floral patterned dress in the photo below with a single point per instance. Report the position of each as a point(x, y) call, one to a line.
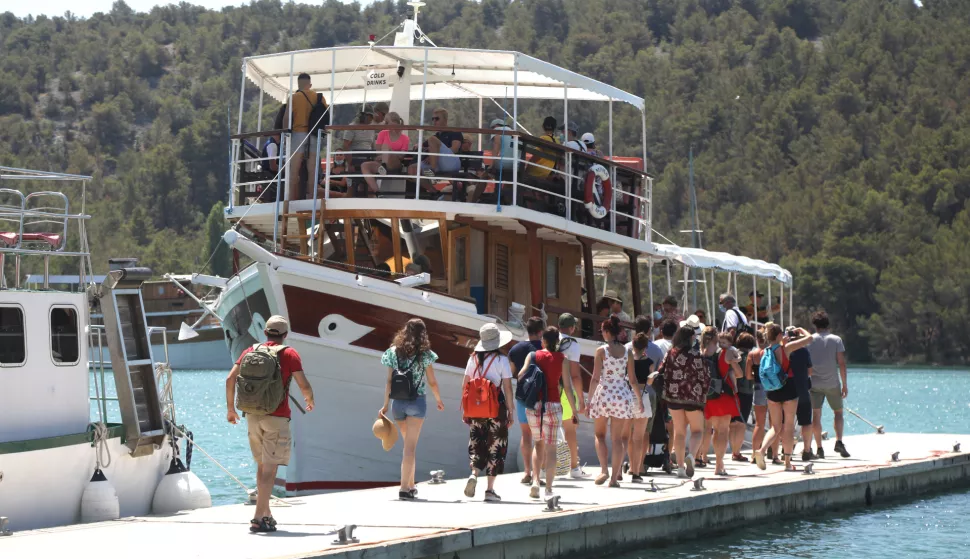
point(613, 396)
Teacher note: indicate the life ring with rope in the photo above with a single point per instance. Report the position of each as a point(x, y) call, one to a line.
point(599, 191)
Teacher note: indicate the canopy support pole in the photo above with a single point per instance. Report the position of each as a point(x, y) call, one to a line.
point(635, 282)
point(754, 290)
point(670, 289)
point(424, 91)
point(791, 303)
point(588, 277)
point(480, 111)
point(611, 130)
point(781, 319)
point(650, 282)
point(707, 296)
point(515, 127)
point(333, 78)
point(771, 312)
point(259, 114)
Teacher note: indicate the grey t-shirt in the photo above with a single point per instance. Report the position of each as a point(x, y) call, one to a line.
point(654, 352)
point(825, 349)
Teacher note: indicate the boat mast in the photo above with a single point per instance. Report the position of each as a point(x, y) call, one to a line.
point(694, 237)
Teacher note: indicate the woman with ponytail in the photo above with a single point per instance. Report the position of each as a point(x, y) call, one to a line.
point(643, 365)
point(612, 400)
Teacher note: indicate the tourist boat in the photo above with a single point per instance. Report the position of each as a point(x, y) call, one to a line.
point(168, 304)
point(498, 248)
point(62, 459)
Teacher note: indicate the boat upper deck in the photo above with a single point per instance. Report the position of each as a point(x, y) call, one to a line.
point(568, 192)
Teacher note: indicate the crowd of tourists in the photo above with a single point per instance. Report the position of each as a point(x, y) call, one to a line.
point(364, 154)
point(696, 379)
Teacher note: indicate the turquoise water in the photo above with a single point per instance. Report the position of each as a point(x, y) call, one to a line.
point(904, 400)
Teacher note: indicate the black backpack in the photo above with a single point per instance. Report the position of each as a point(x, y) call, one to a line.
point(743, 327)
point(317, 113)
point(531, 389)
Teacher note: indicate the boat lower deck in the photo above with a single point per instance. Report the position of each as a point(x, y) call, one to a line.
point(443, 523)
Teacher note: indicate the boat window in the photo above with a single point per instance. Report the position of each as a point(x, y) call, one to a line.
point(64, 336)
point(552, 277)
point(13, 346)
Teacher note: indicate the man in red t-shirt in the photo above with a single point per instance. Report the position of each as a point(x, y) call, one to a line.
point(269, 435)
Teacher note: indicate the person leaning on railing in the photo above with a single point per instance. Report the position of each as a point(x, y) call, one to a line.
point(544, 160)
point(387, 141)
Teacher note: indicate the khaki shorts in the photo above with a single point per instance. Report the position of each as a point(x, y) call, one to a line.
point(833, 395)
point(269, 439)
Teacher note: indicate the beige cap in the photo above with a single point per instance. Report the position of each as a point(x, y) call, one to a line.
point(277, 325)
point(385, 431)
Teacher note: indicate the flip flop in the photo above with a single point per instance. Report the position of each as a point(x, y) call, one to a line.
point(601, 479)
point(759, 459)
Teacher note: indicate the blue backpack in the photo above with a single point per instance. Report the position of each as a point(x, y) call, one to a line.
point(773, 376)
point(532, 388)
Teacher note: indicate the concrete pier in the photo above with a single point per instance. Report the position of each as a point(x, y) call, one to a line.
point(444, 524)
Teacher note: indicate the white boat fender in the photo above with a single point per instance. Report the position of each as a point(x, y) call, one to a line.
point(180, 489)
point(99, 502)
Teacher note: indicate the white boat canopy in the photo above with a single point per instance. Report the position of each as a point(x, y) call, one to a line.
point(700, 258)
point(358, 74)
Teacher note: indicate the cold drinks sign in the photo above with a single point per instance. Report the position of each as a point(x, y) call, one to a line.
point(379, 79)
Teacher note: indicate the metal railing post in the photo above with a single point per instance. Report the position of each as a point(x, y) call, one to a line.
point(316, 187)
point(616, 190)
point(417, 166)
point(515, 175)
point(284, 140)
point(326, 176)
point(569, 186)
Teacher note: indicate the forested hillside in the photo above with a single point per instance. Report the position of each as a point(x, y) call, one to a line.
point(831, 136)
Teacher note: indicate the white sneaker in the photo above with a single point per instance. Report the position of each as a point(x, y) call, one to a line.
point(689, 465)
point(492, 497)
point(578, 473)
point(470, 486)
point(682, 472)
point(534, 491)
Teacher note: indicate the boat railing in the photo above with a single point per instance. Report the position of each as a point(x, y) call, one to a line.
point(96, 365)
point(523, 178)
point(36, 224)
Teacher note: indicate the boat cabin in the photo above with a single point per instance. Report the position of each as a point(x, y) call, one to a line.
point(497, 211)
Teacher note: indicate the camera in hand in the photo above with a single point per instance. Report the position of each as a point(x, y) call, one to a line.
point(792, 333)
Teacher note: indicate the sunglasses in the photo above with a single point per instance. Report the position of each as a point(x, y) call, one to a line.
point(435, 118)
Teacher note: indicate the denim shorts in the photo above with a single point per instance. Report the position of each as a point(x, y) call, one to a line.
point(403, 409)
point(760, 396)
point(520, 412)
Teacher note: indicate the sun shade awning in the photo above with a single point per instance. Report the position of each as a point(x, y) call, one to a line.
point(700, 258)
point(451, 74)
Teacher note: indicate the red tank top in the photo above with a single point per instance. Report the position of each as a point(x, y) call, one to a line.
point(551, 364)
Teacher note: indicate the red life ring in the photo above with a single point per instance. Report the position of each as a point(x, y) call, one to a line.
point(598, 208)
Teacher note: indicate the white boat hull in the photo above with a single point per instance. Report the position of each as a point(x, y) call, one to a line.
point(43, 488)
point(334, 448)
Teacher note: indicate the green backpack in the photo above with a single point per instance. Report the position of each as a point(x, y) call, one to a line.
point(260, 389)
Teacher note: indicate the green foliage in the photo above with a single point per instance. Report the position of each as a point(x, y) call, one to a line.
point(829, 135)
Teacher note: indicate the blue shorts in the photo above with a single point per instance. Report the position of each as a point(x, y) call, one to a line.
point(448, 162)
point(520, 412)
point(403, 409)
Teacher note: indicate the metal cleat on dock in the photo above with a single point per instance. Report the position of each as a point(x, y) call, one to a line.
point(956, 447)
point(809, 469)
point(345, 535)
point(653, 487)
point(698, 485)
point(895, 456)
point(3, 526)
point(437, 476)
point(552, 504)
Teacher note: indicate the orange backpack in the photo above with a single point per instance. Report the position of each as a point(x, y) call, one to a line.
point(479, 400)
